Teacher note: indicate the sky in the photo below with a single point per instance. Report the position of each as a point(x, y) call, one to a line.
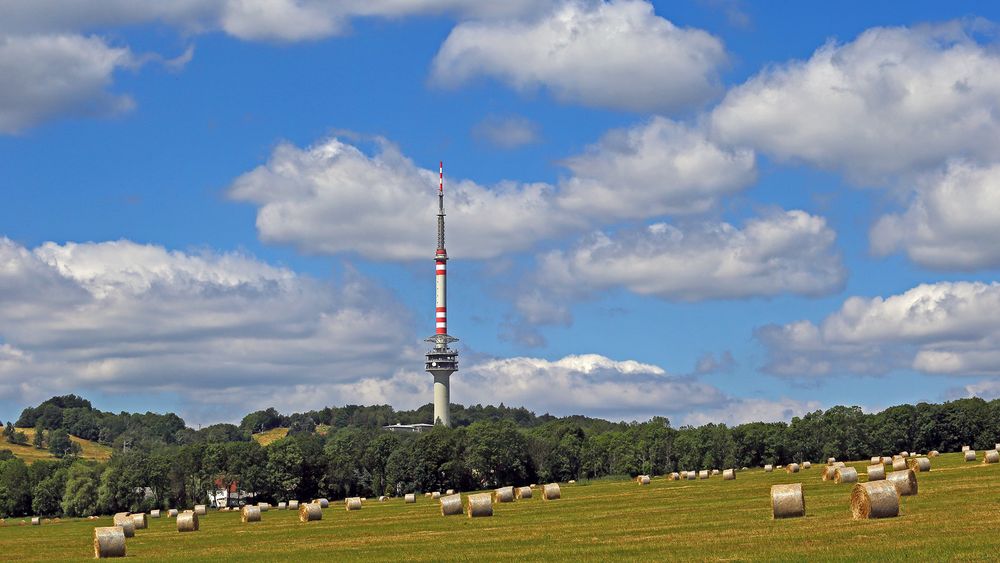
point(710, 210)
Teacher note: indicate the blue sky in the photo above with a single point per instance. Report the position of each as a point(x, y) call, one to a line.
point(711, 210)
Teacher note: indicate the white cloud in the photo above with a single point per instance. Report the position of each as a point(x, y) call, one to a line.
point(742, 411)
point(785, 252)
point(617, 54)
point(654, 168)
point(950, 328)
point(893, 102)
point(285, 20)
point(507, 132)
point(120, 317)
point(951, 222)
point(49, 75)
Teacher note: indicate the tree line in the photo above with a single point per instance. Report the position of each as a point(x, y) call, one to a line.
point(169, 465)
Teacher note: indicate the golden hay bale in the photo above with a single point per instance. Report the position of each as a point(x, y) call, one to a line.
point(450, 492)
point(551, 492)
point(905, 482)
point(876, 459)
point(898, 464)
point(522, 492)
point(310, 512)
point(451, 505)
point(703, 474)
point(200, 510)
point(383, 498)
point(293, 505)
point(920, 464)
point(124, 520)
point(729, 475)
point(436, 495)
point(966, 448)
point(715, 472)
point(109, 542)
point(410, 498)
point(874, 499)
point(503, 494)
point(970, 455)
point(806, 464)
point(172, 513)
point(250, 514)
point(36, 521)
point(353, 503)
point(571, 482)
point(787, 501)
point(992, 456)
point(886, 460)
point(996, 446)
point(154, 513)
point(831, 460)
point(480, 505)
point(643, 479)
point(845, 475)
point(140, 521)
point(282, 505)
point(904, 453)
point(933, 453)
point(691, 475)
point(768, 468)
point(187, 521)
point(792, 468)
point(876, 472)
point(829, 472)
point(322, 502)
point(263, 506)
point(674, 476)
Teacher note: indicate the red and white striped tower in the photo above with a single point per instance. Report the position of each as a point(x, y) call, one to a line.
point(442, 361)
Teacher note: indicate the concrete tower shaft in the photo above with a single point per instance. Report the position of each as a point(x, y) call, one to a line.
point(442, 361)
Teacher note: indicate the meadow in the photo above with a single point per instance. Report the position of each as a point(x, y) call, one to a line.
point(956, 515)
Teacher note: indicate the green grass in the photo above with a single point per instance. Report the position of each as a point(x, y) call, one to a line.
point(30, 454)
point(954, 516)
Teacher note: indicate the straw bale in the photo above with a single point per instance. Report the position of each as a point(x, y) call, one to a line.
point(845, 475)
point(450, 492)
point(451, 505)
point(200, 510)
point(768, 468)
point(140, 521)
point(187, 521)
point(551, 492)
point(904, 453)
point(480, 505)
point(874, 499)
point(250, 514)
point(905, 482)
point(806, 464)
point(729, 475)
point(503, 494)
point(876, 472)
point(898, 464)
point(436, 495)
point(643, 479)
point(691, 475)
point(831, 460)
point(992, 456)
point(876, 459)
point(966, 448)
point(282, 505)
point(787, 501)
point(36, 521)
point(715, 472)
point(383, 498)
point(920, 464)
point(124, 519)
point(970, 455)
point(674, 476)
point(829, 472)
point(172, 513)
point(322, 502)
point(263, 506)
point(522, 492)
point(933, 453)
point(792, 468)
point(352, 503)
point(293, 505)
point(886, 460)
point(410, 498)
point(109, 542)
point(703, 474)
point(310, 512)
point(155, 513)
point(571, 482)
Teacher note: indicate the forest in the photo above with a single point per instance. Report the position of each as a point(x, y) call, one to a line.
point(160, 462)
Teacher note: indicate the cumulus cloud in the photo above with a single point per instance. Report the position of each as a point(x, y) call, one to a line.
point(120, 317)
point(616, 54)
point(950, 328)
point(784, 252)
point(50, 75)
point(951, 222)
point(890, 103)
point(655, 168)
point(708, 363)
point(507, 132)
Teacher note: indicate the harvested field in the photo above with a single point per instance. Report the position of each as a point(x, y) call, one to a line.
point(597, 521)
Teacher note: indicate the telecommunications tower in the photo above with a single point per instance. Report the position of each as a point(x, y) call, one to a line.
point(442, 361)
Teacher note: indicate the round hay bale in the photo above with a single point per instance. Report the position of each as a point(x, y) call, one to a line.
point(310, 512)
point(876, 459)
point(779, 467)
point(571, 482)
point(845, 475)
point(768, 468)
point(410, 498)
point(480, 505)
point(126, 522)
point(966, 448)
point(250, 514)
point(451, 505)
point(187, 521)
point(154, 513)
point(792, 468)
point(522, 492)
point(201, 510)
point(920, 464)
point(876, 472)
point(787, 501)
point(450, 492)
point(282, 505)
point(503, 494)
point(643, 479)
point(970, 455)
point(875, 499)
point(905, 482)
point(551, 492)
point(898, 464)
point(436, 495)
point(353, 503)
point(293, 505)
point(886, 460)
point(729, 475)
point(996, 446)
point(140, 521)
point(172, 513)
point(806, 464)
point(109, 542)
point(703, 474)
point(831, 460)
point(715, 472)
point(992, 456)
point(322, 502)
point(904, 453)
point(36, 521)
point(263, 506)
point(673, 476)
point(933, 453)
point(383, 498)
point(829, 472)
point(691, 475)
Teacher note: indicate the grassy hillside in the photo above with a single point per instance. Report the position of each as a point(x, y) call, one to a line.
point(90, 450)
point(272, 435)
point(954, 516)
